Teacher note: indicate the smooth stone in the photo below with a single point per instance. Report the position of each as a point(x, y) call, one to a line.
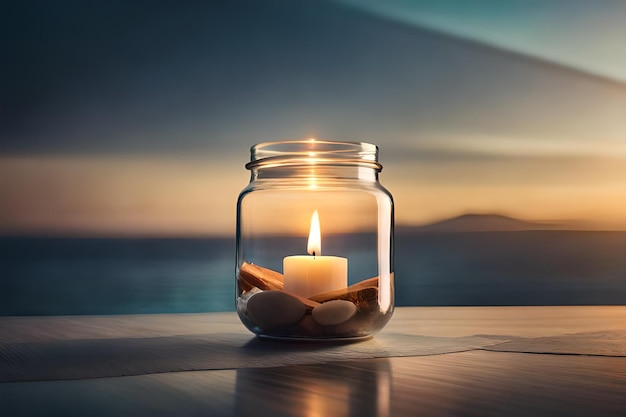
point(334, 312)
point(308, 327)
point(274, 308)
point(242, 301)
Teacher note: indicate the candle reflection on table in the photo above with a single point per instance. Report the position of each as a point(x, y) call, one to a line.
point(346, 390)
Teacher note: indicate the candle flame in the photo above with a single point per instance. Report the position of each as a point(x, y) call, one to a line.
point(314, 246)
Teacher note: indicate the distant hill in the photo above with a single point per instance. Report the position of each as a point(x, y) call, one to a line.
point(482, 223)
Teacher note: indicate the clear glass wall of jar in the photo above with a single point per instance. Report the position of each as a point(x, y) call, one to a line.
point(314, 242)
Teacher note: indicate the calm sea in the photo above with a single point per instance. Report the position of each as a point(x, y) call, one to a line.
point(44, 276)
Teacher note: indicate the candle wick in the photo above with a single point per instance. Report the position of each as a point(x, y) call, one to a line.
point(314, 254)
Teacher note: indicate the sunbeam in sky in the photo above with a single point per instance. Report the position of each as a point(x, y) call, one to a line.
point(584, 35)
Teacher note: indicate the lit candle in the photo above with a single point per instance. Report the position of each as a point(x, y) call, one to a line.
point(315, 274)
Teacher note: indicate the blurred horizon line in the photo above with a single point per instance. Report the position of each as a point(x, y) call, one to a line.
point(466, 222)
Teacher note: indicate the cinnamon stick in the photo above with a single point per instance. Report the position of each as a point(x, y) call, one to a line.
point(338, 294)
point(362, 297)
point(251, 275)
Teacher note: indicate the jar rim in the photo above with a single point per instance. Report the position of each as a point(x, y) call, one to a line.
point(313, 152)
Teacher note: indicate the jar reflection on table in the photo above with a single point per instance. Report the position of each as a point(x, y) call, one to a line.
point(328, 193)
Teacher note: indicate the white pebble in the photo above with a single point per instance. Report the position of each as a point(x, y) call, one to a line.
point(271, 309)
point(334, 312)
point(242, 302)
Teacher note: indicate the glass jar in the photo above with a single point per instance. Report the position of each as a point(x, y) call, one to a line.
point(314, 242)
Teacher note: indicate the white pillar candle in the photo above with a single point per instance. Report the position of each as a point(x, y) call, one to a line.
point(315, 274)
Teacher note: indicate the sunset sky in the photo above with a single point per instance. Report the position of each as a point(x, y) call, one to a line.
point(136, 118)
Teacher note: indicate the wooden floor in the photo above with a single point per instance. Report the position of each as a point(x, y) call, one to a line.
point(429, 361)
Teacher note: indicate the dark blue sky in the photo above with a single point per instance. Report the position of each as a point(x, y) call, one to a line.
point(166, 76)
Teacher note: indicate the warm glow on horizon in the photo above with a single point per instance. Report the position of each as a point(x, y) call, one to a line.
point(156, 196)
point(587, 193)
point(290, 214)
point(583, 208)
point(119, 196)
